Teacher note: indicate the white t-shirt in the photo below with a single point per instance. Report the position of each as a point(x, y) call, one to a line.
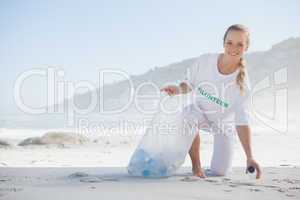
point(218, 95)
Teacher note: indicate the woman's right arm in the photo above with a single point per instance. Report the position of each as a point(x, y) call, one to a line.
point(182, 88)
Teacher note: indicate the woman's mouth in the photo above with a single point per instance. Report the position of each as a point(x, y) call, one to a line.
point(233, 54)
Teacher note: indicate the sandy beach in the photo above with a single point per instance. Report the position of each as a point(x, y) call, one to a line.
point(96, 169)
point(115, 183)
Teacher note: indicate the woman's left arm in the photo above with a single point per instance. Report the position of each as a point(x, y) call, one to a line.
point(244, 133)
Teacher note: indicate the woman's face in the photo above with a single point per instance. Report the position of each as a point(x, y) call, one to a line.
point(235, 44)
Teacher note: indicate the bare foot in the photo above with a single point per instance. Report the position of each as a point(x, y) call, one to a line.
point(197, 171)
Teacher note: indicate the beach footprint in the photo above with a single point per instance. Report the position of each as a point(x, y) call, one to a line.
point(211, 180)
point(110, 179)
point(189, 179)
point(87, 178)
point(90, 179)
point(226, 179)
point(290, 195)
point(255, 190)
point(232, 185)
point(78, 175)
point(5, 179)
point(84, 177)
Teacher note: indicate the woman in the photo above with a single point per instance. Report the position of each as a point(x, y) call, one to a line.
point(221, 89)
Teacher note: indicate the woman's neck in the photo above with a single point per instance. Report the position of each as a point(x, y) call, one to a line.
point(227, 66)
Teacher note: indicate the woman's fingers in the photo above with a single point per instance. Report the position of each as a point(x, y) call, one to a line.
point(168, 90)
point(258, 173)
point(171, 90)
point(163, 89)
point(258, 170)
point(252, 162)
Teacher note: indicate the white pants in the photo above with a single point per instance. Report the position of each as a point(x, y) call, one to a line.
point(221, 162)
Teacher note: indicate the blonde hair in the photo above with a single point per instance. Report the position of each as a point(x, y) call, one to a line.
point(240, 78)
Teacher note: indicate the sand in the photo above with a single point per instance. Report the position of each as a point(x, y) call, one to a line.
point(96, 170)
point(114, 183)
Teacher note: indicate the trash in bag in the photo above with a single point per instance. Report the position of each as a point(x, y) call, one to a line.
point(164, 145)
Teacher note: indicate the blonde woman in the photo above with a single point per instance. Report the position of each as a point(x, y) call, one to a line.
point(221, 89)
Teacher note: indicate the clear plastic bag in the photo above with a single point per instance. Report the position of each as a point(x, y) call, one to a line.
point(164, 146)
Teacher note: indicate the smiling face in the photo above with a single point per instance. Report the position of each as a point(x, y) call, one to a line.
point(235, 44)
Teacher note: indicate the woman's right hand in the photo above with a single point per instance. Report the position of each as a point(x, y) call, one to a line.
point(253, 163)
point(171, 90)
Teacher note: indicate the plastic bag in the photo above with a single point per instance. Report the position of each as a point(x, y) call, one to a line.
point(164, 146)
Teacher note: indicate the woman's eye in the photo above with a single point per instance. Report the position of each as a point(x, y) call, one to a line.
point(229, 43)
point(240, 45)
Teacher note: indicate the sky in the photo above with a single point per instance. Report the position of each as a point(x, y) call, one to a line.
point(82, 37)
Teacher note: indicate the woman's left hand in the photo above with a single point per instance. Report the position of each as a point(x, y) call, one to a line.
point(253, 163)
